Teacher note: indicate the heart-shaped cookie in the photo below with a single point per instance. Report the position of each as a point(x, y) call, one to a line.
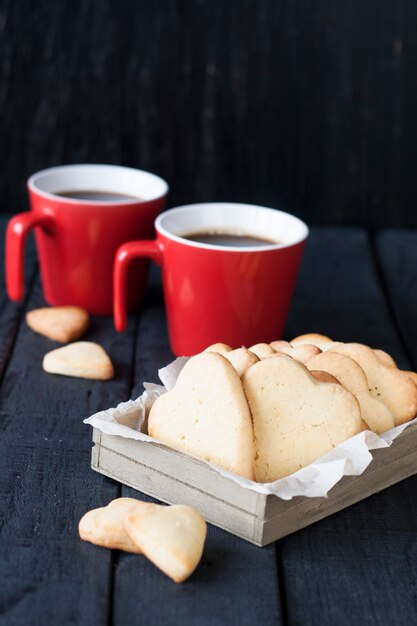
point(82, 359)
point(296, 418)
point(385, 358)
point(302, 352)
point(314, 339)
point(207, 415)
point(172, 537)
point(104, 526)
point(412, 375)
point(241, 358)
point(349, 373)
point(394, 387)
point(221, 348)
point(325, 343)
point(323, 377)
point(262, 350)
point(59, 323)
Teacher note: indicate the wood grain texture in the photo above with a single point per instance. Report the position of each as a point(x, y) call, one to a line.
point(63, 400)
point(48, 575)
point(338, 293)
point(356, 566)
point(235, 583)
point(304, 107)
point(397, 251)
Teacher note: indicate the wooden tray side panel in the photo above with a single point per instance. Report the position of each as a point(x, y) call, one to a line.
point(389, 466)
point(184, 468)
point(173, 477)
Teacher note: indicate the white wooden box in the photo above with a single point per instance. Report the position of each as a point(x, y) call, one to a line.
point(177, 478)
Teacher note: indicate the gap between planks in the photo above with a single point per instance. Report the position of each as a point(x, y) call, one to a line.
point(383, 284)
point(114, 558)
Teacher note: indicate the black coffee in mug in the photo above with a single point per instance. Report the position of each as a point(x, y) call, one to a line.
point(231, 238)
point(96, 195)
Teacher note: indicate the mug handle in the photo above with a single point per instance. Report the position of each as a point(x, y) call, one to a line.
point(124, 255)
point(16, 233)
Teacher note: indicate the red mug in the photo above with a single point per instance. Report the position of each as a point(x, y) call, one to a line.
point(78, 233)
point(215, 293)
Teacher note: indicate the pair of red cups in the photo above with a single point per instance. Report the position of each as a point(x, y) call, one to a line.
point(93, 254)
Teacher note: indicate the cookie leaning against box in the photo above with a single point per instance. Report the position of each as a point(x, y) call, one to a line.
point(59, 323)
point(349, 373)
point(296, 418)
point(325, 343)
point(394, 387)
point(207, 415)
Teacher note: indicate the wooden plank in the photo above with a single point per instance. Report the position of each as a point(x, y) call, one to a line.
point(48, 576)
point(235, 583)
point(338, 293)
point(355, 566)
point(397, 252)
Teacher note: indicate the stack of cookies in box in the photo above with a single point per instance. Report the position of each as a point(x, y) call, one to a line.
point(269, 410)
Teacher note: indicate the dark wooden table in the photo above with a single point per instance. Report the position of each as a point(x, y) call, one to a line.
point(356, 567)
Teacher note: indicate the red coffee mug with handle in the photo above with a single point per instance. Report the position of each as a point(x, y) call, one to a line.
point(78, 233)
point(215, 293)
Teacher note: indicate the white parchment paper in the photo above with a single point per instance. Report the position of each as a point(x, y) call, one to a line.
point(350, 458)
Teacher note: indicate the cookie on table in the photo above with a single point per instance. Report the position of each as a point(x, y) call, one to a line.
point(82, 359)
point(104, 526)
point(172, 537)
point(59, 323)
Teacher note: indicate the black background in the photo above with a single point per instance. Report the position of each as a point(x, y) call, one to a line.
point(305, 105)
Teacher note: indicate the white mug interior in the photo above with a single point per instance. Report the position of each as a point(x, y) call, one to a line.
point(107, 178)
point(241, 219)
